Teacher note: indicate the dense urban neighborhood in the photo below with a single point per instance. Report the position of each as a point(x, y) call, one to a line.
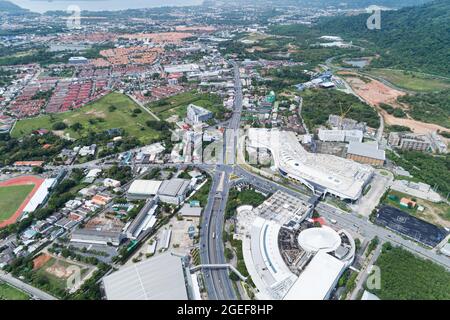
point(227, 150)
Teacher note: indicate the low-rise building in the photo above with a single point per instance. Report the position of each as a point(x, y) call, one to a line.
point(144, 188)
point(111, 183)
point(173, 191)
point(341, 135)
point(366, 153)
point(93, 236)
point(190, 211)
point(409, 141)
point(196, 114)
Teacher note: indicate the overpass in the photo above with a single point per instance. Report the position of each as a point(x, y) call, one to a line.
point(219, 266)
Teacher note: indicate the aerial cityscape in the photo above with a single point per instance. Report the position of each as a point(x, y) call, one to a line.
point(224, 150)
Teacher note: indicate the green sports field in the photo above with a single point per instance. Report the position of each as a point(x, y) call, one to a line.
point(10, 293)
point(11, 197)
point(115, 110)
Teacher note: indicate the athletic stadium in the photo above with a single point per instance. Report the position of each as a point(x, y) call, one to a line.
point(20, 196)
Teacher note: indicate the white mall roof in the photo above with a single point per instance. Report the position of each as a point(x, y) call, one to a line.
point(144, 187)
point(318, 279)
point(158, 278)
point(341, 177)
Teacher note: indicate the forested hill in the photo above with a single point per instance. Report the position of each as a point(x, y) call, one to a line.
point(409, 38)
point(9, 7)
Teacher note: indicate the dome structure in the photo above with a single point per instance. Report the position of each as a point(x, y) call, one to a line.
point(319, 239)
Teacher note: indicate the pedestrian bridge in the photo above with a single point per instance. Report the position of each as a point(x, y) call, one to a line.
point(219, 266)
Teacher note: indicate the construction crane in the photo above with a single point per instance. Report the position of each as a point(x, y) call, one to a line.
point(343, 114)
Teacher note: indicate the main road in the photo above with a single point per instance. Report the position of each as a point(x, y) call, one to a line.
point(218, 283)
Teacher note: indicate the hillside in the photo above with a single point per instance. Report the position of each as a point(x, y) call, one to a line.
point(9, 7)
point(410, 38)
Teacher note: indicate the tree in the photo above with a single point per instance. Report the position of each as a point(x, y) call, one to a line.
point(59, 126)
point(76, 126)
point(38, 170)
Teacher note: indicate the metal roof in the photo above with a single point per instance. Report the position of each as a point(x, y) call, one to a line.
point(158, 278)
point(366, 150)
point(144, 187)
point(173, 187)
point(189, 211)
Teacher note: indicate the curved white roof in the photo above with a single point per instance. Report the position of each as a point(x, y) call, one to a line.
point(342, 177)
point(323, 238)
point(244, 208)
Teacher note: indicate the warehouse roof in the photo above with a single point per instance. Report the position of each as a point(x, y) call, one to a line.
point(173, 187)
point(189, 211)
point(95, 235)
point(144, 187)
point(366, 150)
point(158, 278)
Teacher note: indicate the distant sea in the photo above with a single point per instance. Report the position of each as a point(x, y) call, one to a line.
point(100, 5)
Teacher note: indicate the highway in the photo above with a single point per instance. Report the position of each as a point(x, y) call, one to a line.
point(218, 283)
point(32, 291)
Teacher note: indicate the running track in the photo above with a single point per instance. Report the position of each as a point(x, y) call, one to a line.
point(24, 180)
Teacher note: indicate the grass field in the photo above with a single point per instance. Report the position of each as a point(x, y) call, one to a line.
point(412, 80)
point(10, 293)
point(11, 197)
point(405, 276)
point(177, 105)
point(97, 116)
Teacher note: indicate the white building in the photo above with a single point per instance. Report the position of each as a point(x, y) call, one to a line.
point(191, 67)
point(196, 114)
point(111, 183)
point(322, 173)
point(340, 135)
point(173, 191)
point(144, 188)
